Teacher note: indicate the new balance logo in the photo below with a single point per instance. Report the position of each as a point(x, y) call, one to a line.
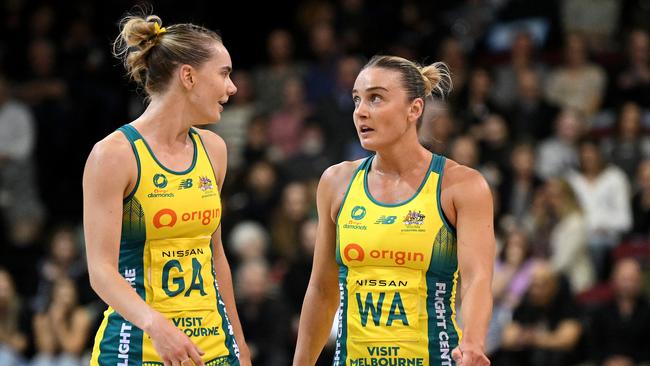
point(386, 220)
point(185, 184)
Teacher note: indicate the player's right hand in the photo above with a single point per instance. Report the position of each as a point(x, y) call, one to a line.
point(173, 346)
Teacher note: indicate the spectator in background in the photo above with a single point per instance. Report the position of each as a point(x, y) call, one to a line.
point(19, 197)
point(64, 260)
point(633, 82)
point(545, 328)
point(475, 103)
point(320, 79)
point(599, 27)
point(296, 279)
point(13, 340)
point(437, 128)
point(620, 327)
point(568, 239)
point(604, 195)
point(558, 153)
point(517, 189)
point(334, 111)
point(257, 195)
point(249, 241)
point(577, 84)
point(464, 151)
point(257, 142)
point(628, 146)
point(235, 119)
point(494, 147)
point(508, 77)
point(511, 279)
point(263, 315)
point(285, 125)
point(451, 52)
point(530, 116)
point(311, 160)
point(62, 330)
point(286, 221)
point(281, 66)
point(47, 93)
point(641, 203)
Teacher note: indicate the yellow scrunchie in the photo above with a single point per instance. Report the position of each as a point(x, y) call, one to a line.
point(158, 29)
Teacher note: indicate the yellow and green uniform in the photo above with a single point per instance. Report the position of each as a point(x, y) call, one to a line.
point(166, 255)
point(398, 272)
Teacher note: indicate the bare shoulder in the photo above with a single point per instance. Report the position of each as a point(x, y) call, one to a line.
point(464, 183)
point(111, 152)
point(213, 142)
point(334, 183)
point(112, 160)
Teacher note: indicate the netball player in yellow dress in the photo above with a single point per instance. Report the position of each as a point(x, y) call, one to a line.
point(152, 208)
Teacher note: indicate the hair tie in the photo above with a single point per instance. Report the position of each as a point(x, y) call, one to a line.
point(158, 30)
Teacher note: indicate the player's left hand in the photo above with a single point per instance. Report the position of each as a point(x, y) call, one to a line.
point(469, 355)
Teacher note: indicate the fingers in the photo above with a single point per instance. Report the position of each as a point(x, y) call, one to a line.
point(457, 355)
point(195, 357)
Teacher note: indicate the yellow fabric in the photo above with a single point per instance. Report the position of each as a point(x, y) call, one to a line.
point(385, 253)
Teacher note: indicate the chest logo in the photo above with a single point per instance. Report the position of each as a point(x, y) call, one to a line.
point(358, 212)
point(185, 183)
point(160, 181)
point(205, 183)
point(414, 218)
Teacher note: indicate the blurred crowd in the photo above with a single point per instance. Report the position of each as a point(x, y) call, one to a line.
point(551, 103)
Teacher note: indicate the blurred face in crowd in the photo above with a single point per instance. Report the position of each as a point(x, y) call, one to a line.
point(382, 114)
point(464, 151)
point(7, 291)
point(64, 247)
point(295, 201)
point(64, 292)
point(575, 51)
point(347, 71)
point(516, 248)
point(528, 85)
point(253, 279)
point(522, 46)
point(627, 278)
point(639, 47)
point(591, 160)
point(568, 126)
point(495, 130)
point(480, 83)
point(543, 284)
point(262, 177)
point(308, 236)
point(279, 46)
point(523, 160)
point(630, 121)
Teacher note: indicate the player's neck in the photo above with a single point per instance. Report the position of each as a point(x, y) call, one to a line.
point(401, 159)
point(165, 121)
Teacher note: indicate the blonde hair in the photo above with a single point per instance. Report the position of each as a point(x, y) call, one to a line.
point(419, 81)
point(151, 54)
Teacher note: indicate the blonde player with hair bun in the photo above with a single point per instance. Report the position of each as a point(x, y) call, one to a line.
point(395, 238)
point(152, 208)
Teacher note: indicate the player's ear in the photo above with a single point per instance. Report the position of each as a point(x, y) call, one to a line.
point(187, 76)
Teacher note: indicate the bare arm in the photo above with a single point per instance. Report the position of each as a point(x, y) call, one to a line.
point(476, 252)
point(322, 297)
point(105, 182)
point(218, 156)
